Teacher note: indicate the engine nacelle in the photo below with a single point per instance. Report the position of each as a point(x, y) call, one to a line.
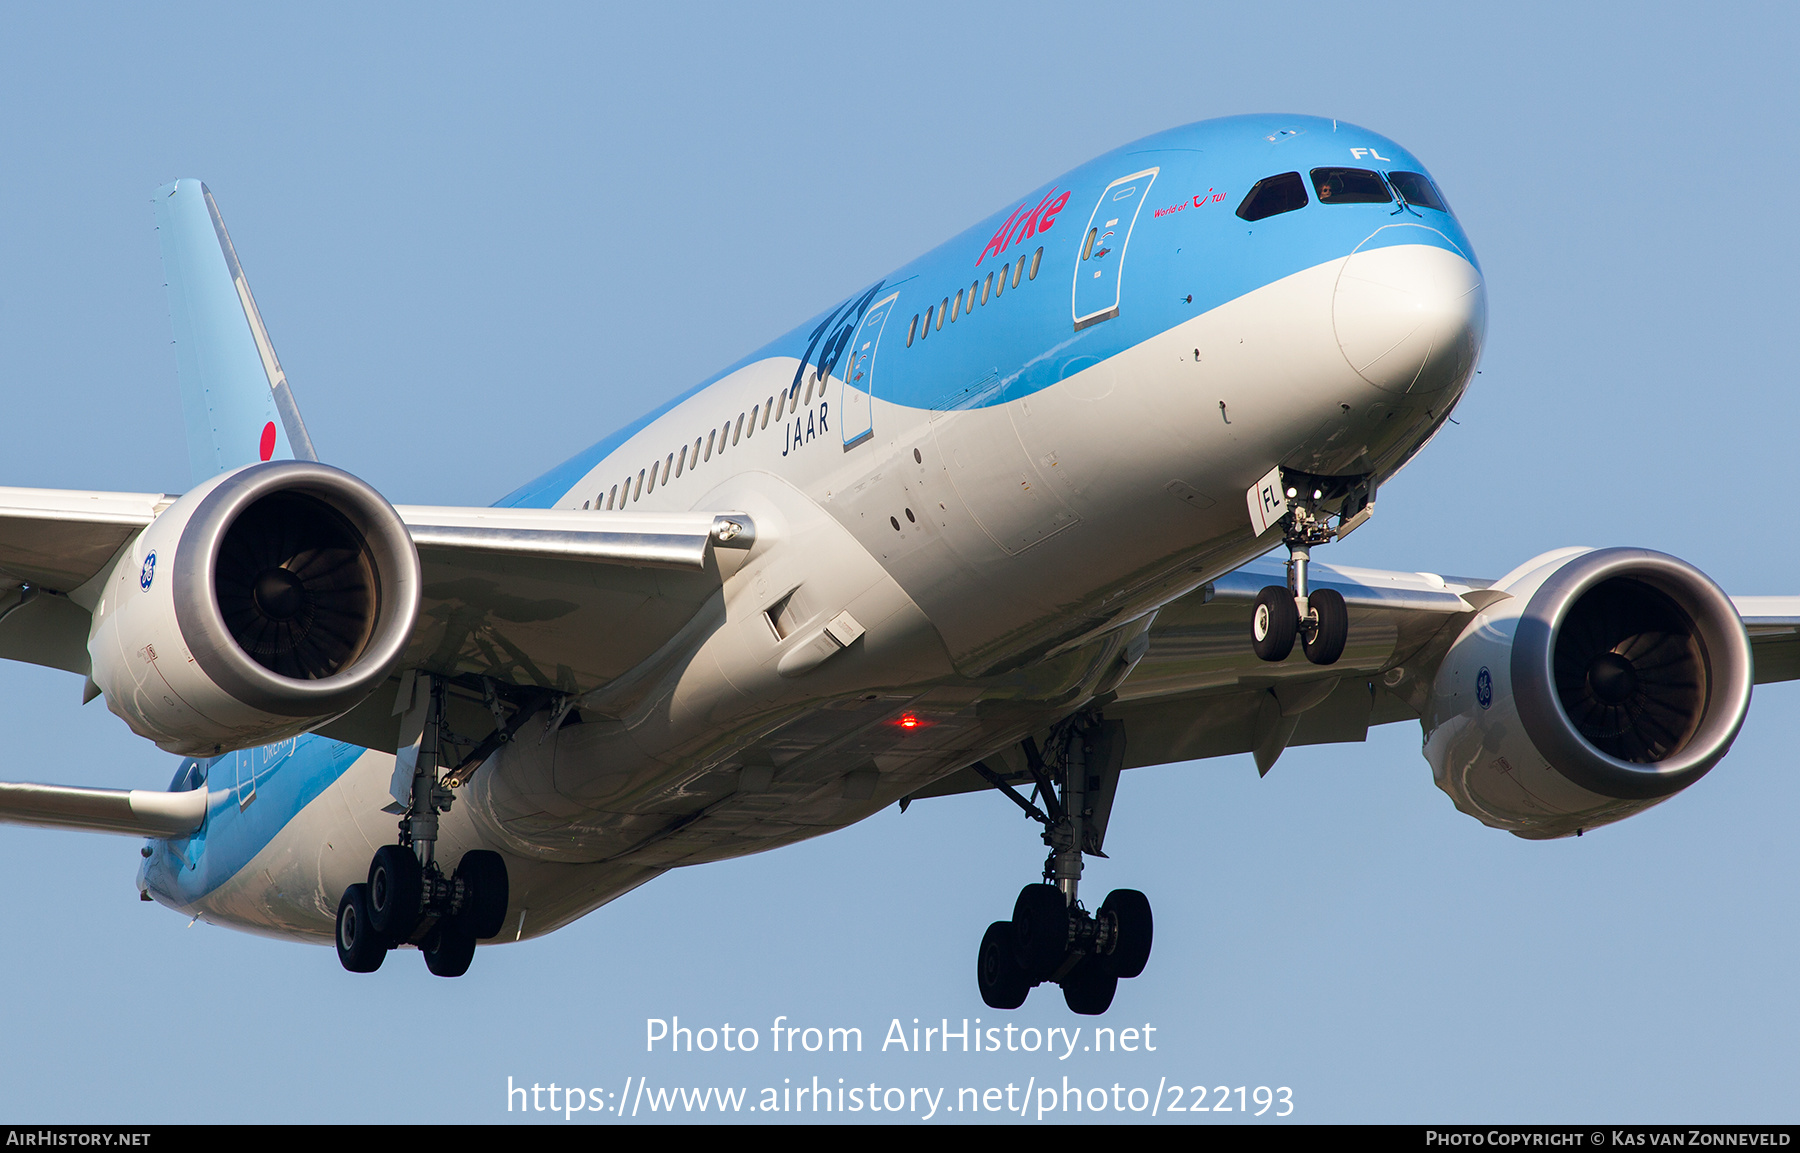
point(260, 605)
point(1608, 681)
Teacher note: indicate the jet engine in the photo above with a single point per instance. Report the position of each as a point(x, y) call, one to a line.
point(262, 604)
point(1606, 681)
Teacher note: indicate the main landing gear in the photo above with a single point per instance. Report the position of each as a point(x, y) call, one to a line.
point(1051, 937)
point(408, 900)
point(1317, 618)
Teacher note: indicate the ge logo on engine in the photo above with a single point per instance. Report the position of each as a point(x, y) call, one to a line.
point(1484, 686)
point(149, 572)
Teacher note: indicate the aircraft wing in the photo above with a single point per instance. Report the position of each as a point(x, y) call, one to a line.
point(1774, 627)
point(53, 542)
point(132, 812)
point(1199, 691)
point(558, 599)
point(550, 599)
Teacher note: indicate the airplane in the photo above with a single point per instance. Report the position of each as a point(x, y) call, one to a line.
point(998, 521)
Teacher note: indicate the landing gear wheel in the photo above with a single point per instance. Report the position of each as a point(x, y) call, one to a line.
point(997, 972)
point(1040, 924)
point(395, 880)
point(1331, 626)
point(1274, 624)
point(1130, 911)
point(449, 950)
point(483, 875)
point(1089, 988)
point(360, 947)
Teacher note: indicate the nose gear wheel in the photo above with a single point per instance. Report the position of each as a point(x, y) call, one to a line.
point(1274, 624)
point(1330, 627)
point(1318, 618)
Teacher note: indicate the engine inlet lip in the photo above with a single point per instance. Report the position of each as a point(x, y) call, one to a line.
point(1722, 638)
point(203, 626)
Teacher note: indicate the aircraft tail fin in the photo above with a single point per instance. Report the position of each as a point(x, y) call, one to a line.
point(234, 396)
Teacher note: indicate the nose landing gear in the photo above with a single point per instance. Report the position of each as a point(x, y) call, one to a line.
point(1051, 937)
point(1317, 618)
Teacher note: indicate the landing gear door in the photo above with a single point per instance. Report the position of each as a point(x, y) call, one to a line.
point(856, 416)
point(1101, 261)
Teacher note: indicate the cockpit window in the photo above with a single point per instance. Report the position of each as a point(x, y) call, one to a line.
point(1350, 186)
point(1274, 195)
point(1416, 190)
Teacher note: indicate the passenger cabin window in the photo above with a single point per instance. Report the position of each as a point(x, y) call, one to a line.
point(952, 308)
point(1273, 195)
point(1416, 190)
point(1350, 186)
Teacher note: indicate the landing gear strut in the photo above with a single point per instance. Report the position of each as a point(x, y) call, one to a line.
point(1051, 937)
point(1317, 618)
point(407, 899)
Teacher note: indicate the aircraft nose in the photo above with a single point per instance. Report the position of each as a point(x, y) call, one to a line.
point(1409, 316)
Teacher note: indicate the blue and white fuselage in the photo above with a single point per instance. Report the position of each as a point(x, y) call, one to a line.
point(973, 481)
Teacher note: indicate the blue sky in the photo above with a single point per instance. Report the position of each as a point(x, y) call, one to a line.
point(481, 240)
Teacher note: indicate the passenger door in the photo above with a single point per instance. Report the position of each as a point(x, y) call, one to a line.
point(857, 414)
point(1101, 261)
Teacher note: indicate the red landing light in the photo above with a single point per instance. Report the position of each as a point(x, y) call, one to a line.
point(911, 721)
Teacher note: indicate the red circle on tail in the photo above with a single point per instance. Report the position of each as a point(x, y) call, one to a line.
point(268, 440)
